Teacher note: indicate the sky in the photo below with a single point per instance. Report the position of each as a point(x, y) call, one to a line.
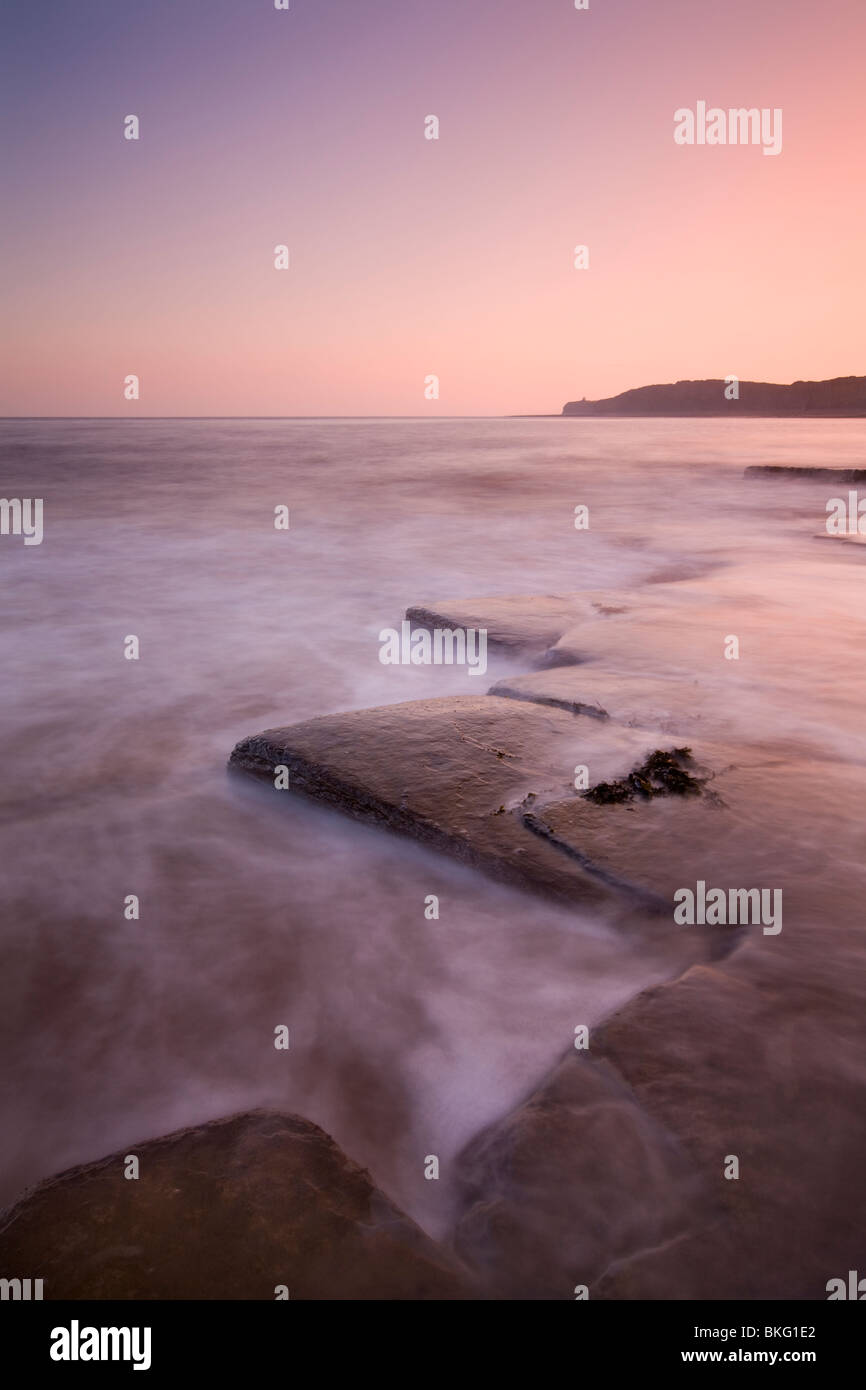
point(411, 258)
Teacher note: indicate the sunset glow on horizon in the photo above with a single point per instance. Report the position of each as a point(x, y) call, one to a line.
point(412, 257)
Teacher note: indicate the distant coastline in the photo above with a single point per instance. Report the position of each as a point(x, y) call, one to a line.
point(842, 396)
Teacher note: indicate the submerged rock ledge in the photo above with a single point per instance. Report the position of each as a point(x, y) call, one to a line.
point(830, 475)
point(511, 621)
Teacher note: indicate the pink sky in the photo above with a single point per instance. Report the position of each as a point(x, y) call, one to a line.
point(408, 256)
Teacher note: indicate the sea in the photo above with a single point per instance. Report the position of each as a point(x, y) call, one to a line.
point(407, 1036)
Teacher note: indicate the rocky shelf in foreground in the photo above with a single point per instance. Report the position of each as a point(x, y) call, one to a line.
point(227, 1210)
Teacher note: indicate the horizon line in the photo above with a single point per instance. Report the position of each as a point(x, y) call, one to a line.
point(536, 416)
point(428, 419)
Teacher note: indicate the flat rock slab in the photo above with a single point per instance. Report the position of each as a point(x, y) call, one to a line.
point(678, 639)
point(647, 702)
point(576, 1177)
point(228, 1210)
point(525, 620)
point(831, 475)
point(612, 1173)
point(759, 1055)
point(766, 1065)
point(667, 843)
point(468, 775)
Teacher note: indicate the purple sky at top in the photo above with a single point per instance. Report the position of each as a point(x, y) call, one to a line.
point(412, 257)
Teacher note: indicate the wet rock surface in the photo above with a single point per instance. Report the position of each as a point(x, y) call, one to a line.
point(576, 1177)
point(832, 475)
point(755, 1056)
point(228, 1210)
point(637, 701)
point(479, 778)
point(528, 622)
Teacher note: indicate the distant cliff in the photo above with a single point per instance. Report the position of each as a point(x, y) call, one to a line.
point(844, 395)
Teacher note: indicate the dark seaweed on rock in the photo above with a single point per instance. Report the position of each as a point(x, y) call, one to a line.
point(662, 774)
